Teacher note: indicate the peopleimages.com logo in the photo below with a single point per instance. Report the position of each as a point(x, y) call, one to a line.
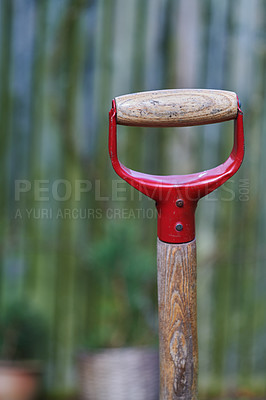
point(63, 190)
point(62, 199)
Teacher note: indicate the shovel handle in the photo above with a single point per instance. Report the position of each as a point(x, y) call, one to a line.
point(176, 107)
point(177, 296)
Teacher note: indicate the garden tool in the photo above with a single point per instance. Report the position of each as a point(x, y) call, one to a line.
point(176, 198)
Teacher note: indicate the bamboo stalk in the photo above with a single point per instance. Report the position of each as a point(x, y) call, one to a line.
point(5, 129)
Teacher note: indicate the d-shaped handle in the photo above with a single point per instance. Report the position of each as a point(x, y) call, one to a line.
point(176, 224)
point(176, 107)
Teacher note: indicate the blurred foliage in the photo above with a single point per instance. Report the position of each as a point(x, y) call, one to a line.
point(126, 297)
point(23, 333)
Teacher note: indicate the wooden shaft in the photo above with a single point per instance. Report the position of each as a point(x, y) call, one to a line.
point(176, 107)
point(177, 293)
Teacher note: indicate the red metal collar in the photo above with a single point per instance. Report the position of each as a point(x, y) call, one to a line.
point(176, 196)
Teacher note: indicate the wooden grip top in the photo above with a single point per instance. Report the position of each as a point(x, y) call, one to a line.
point(176, 107)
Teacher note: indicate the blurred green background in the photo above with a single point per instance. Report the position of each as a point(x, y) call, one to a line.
point(78, 246)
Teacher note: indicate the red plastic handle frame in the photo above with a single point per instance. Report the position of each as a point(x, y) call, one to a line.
point(176, 221)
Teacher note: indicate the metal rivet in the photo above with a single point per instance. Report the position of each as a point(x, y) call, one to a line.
point(179, 203)
point(179, 227)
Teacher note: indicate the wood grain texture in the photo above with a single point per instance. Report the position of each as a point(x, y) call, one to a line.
point(177, 296)
point(176, 107)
